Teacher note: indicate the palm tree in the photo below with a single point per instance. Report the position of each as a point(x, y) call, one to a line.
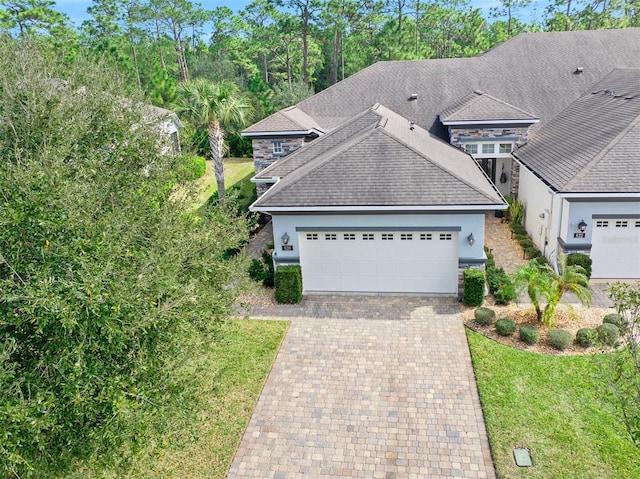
point(569, 278)
point(218, 108)
point(535, 278)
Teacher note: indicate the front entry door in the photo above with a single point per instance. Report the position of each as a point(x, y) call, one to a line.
point(489, 167)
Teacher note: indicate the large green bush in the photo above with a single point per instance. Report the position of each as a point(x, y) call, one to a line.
point(288, 284)
point(190, 167)
point(615, 319)
point(608, 333)
point(529, 334)
point(473, 287)
point(559, 339)
point(580, 259)
point(484, 316)
point(505, 326)
point(500, 285)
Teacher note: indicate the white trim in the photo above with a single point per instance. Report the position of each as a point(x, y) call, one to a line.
point(491, 122)
point(305, 209)
point(598, 195)
point(273, 179)
point(269, 134)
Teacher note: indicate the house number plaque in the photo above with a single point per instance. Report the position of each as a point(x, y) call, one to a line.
point(578, 235)
point(287, 247)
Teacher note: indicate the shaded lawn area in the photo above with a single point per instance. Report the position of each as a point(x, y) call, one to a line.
point(229, 375)
point(554, 406)
point(237, 171)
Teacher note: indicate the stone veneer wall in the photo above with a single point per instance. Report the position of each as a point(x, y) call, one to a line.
point(263, 155)
point(521, 133)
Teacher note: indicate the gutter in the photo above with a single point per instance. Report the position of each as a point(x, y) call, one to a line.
point(375, 209)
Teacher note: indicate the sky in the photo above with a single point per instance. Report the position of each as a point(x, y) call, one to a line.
point(77, 9)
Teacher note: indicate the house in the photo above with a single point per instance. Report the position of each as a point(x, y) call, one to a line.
point(167, 124)
point(513, 109)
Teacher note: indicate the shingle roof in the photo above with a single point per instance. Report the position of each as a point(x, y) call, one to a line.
point(479, 106)
point(289, 119)
point(592, 146)
point(534, 72)
point(384, 163)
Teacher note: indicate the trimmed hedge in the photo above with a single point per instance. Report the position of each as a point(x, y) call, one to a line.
point(608, 333)
point(190, 167)
point(529, 334)
point(484, 316)
point(288, 284)
point(473, 287)
point(505, 327)
point(585, 337)
point(615, 319)
point(559, 339)
point(580, 259)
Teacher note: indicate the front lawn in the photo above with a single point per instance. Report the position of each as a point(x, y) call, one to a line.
point(237, 171)
point(555, 407)
point(199, 439)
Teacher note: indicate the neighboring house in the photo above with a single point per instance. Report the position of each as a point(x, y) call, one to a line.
point(168, 126)
point(509, 97)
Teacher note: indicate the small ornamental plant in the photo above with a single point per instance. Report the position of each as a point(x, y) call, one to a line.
point(484, 316)
point(559, 339)
point(505, 327)
point(529, 334)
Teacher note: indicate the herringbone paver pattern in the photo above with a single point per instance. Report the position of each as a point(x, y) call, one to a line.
point(369, 387)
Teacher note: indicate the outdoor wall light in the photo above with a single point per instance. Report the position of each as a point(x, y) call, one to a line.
point(285, 238)
point(582, 226)
point(471, 239)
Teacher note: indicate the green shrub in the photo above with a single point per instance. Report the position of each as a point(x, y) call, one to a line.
point(505, 327)
point(518, 229)
point(484, 316)
point(256, 270)
point(525, 243)
point(500, 285)
point(190, 167)
point(608, 333)
point(615, 319)
point(585, 337)
point(288, 284)
point(267, 261)
point(520, 237)
point(533, 252)
point(516, 211)
point(559, 339)
point(580, 260)
point(529, 334)
point(473, 287)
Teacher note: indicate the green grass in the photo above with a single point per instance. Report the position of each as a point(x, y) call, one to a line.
point(236, 171)
point(200, 439)
point(554, 406)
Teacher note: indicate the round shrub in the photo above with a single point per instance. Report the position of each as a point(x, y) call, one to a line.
point(608, 333)
point(581, 260)
point(529, 334)
point(559, 339)
point(615, 319)
point(190, 167)
point(484, 316)
point(526, 243)
point(585, 337)
point(505, 327)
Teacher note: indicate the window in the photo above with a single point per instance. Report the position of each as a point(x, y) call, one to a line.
point(330, 237)
point(349, 236)
point(445, 236)
point(505, 147)
point(488, 148)
point(602, 224)
point(471, 148)
point(637, 224)
point(426, 236)
point(406, 237)
point(312, 236)
point(367, 236)
point(277, 147)
point(622, 224)
point(387, 236)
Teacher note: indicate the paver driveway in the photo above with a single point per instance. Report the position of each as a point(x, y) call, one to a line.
point(371, 387)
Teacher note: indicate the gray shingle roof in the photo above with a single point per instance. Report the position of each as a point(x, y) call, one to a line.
point(534, 72)
point(592, 146)
point(289, 119)
point(480, 106)
point(384, 163)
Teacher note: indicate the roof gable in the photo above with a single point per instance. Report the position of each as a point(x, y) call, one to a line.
point(479, 106)
point(287, 120)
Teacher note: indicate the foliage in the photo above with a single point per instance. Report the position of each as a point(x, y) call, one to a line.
point(261, 270)
point(518, 229)
point(288, 284)
point(586, 337)
point(608, 333)
point(516, 212)
point(190, 167)
point(484, 316)
point(98, 268)
point(529, 334)
point(505, 326)
point(500, 285)
point(615, 319)
point(559, 338)
point(562, 405)
point(580, 259)
point(287, 94)
point(621, 369)
point(473, 287)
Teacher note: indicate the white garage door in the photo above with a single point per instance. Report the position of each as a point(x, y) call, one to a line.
point(380, 261)
point(615, 249)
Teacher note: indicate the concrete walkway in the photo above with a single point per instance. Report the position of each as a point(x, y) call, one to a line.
point(368, 387)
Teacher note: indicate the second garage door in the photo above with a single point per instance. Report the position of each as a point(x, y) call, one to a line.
point(615, 251)
point(379, 261)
